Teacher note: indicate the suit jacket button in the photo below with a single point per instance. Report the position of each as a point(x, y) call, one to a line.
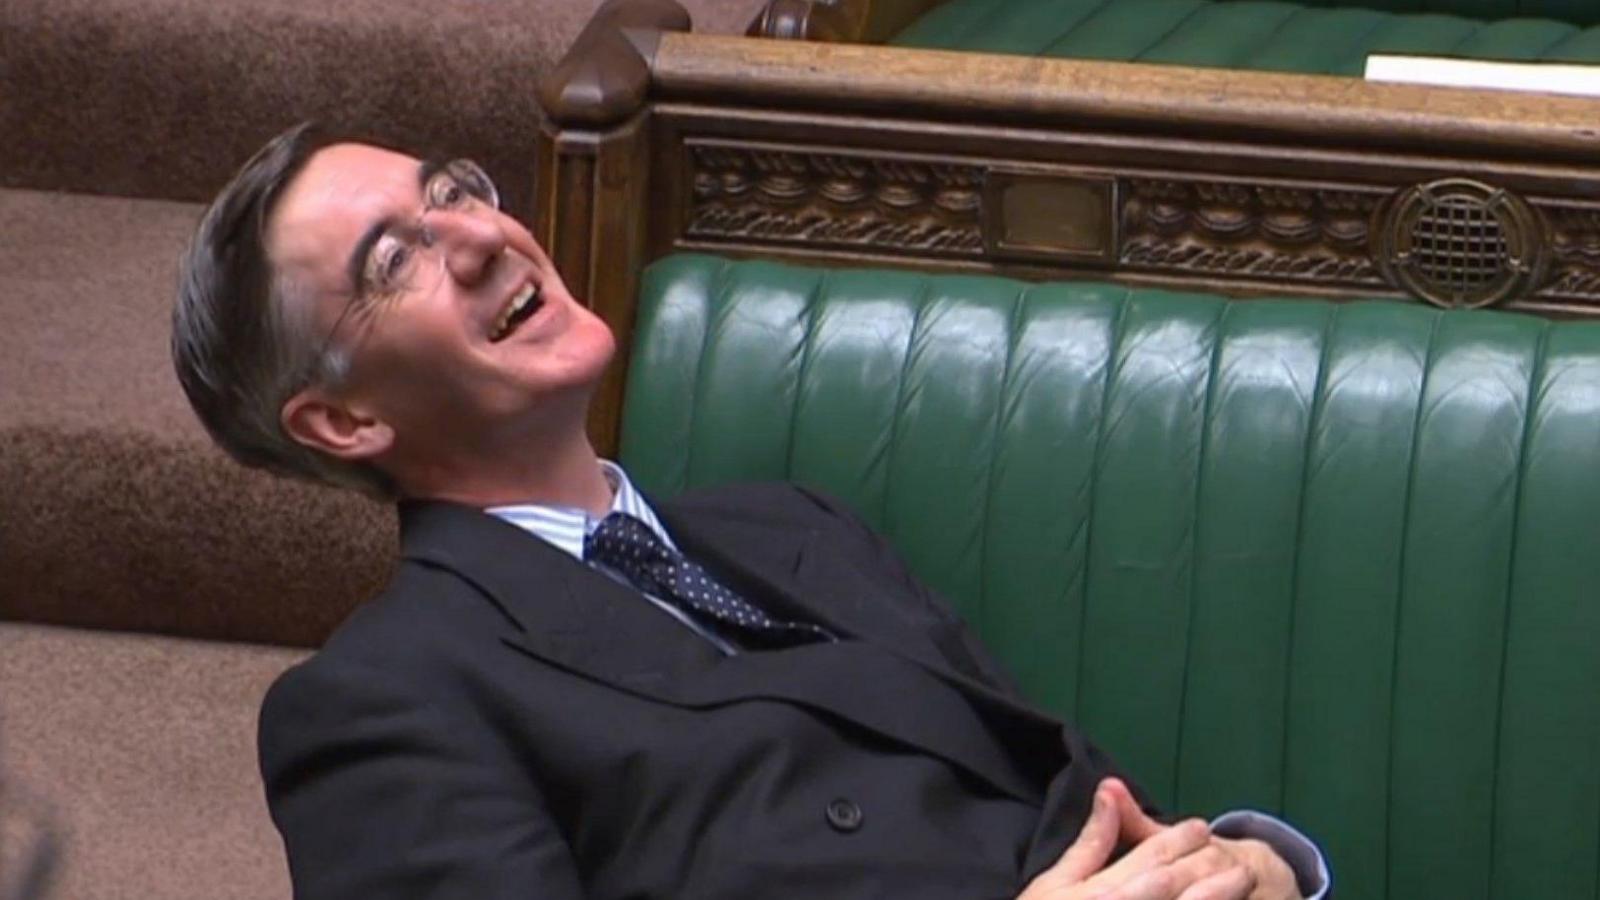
point(844, 815)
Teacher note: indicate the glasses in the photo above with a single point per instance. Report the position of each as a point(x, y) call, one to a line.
point(403, 260)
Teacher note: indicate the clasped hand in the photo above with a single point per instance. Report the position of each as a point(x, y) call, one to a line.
point(1166, 862)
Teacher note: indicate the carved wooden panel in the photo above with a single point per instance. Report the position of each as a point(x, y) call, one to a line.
point(1315, 234)
point(756, 194)
point(1258, 234)
point(788, 195)
point(1574, 253)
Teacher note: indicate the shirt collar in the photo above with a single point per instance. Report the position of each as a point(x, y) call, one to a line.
point(565, 527)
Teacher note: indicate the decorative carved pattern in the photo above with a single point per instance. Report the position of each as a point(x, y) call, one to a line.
point(833, 198)
point(1312, 234)
point(1230, 229)
point(1244, 262)
point(1575, 253)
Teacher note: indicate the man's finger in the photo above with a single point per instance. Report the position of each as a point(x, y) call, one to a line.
point(1171, 845)
point(1273, 876)
point(1205, 863)
point(1155, 884)
point(1137, 827)
point(1095, 844)
point(1233, 883)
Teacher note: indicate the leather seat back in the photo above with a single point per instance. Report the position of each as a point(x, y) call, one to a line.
point(1329, 37)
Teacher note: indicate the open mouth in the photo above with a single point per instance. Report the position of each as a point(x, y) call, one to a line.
point(523, 305)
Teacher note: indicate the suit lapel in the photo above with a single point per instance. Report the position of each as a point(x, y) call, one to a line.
point(557, 608)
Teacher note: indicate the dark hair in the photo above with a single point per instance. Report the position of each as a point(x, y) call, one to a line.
point(240, 348)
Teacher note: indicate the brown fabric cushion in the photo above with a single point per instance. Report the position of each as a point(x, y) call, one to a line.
point(115, 509)
point(143, 751)
point(164, 98)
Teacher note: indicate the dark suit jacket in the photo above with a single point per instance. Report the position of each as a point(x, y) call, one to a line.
point(503, 721)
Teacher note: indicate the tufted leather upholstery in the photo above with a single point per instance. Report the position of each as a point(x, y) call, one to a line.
point(1312, 37)
point(1337, 561)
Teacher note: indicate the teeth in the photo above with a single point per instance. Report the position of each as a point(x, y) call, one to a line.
point(518, 302)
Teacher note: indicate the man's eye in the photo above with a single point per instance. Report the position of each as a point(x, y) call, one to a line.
point(395, 265)
point(388, 268)
point(445, 192)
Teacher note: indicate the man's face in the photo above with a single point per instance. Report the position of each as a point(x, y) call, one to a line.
point(432, 359)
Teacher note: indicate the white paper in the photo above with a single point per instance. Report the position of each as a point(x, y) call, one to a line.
point(1548, 78)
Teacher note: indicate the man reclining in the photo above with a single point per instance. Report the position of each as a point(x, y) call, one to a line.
point(567, 690)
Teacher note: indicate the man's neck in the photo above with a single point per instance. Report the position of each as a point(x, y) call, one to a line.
point(565, 473)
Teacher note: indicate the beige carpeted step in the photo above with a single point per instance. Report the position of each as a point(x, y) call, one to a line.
point(139, 753)
point(115, 509)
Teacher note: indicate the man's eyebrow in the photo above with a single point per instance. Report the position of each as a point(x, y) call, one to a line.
point(356, 266)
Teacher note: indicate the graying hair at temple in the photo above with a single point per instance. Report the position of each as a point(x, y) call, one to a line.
point(240, 345)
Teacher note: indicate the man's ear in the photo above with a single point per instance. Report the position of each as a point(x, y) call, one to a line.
point(325, 423)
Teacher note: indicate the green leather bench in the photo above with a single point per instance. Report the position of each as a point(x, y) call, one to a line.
point(1314, 36)
point(1337, 561)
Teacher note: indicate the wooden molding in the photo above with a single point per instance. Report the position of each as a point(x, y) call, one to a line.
point(1217, 104)
point(605, 76)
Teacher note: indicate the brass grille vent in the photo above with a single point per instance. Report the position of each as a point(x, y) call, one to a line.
point(1461, 244)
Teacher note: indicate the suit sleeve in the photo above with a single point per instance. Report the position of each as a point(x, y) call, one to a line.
point(380, 794)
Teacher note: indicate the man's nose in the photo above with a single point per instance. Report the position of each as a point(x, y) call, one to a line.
point(468, 240)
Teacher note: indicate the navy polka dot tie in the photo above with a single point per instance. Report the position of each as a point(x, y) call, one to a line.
point(629, 546)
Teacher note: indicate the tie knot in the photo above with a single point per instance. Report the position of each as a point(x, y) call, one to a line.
point(633, 549)
point(625, 543)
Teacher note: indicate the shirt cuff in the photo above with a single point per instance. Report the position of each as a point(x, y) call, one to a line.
point(1303, 856)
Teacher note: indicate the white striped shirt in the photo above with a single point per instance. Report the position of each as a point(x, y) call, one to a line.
point(565, 527)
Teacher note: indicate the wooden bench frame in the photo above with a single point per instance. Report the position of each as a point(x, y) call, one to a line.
point(1240, 183)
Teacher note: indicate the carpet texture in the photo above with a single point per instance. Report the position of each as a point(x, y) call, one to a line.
point(118, 512)
point(164, 98)
point(140, 753)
